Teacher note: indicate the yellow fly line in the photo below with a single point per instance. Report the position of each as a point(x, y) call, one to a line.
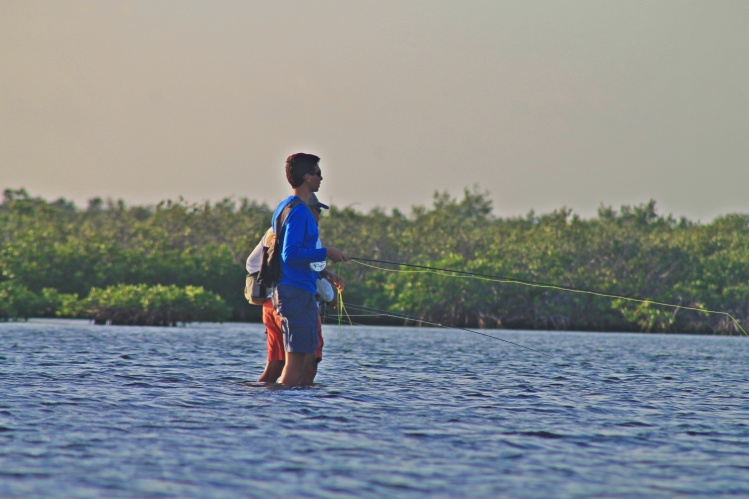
point(503, 280)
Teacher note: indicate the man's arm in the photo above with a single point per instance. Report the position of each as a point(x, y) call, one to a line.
point(293, 250)
point(336, 255)
point(293, 239)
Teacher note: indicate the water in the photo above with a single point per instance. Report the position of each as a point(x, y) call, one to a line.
point(103, 411)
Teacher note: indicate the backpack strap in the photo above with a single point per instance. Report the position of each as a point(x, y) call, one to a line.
point(270, 270)
point(281, 220)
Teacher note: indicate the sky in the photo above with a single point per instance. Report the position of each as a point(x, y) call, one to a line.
point(543, 104)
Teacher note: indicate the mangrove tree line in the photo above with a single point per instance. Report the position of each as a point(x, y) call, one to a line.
point(53, 254)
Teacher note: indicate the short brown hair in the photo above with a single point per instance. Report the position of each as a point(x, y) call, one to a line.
point(298, 165)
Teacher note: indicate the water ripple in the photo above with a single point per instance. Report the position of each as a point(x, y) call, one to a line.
point(149, 412)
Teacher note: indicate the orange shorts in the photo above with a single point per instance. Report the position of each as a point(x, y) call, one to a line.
point(274, 333)
point(272, 323)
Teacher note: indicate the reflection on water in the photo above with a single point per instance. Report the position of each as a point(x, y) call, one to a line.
point(92, 411)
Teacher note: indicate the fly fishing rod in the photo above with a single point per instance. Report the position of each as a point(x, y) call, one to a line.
point(536, 284)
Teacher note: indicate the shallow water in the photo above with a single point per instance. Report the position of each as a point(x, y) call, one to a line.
point(106, 411)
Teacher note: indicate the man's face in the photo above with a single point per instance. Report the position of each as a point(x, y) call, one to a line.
point(315, 179)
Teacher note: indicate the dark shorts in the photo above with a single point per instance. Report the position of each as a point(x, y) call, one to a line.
point(299, 314)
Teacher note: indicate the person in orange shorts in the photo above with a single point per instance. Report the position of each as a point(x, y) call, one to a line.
point(274, 339)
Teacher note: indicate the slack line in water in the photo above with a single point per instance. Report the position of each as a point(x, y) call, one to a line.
point(507, 280)
point(386, 313)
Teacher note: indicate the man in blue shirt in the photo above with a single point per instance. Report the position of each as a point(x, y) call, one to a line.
point(301, 262)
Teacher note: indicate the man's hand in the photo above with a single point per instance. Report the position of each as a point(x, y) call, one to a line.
point(336, 255)
point(333, 279)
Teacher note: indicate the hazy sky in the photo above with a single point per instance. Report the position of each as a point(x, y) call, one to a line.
point(545, 104)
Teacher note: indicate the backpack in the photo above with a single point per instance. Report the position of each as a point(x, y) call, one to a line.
point(259, 285)
point(253, 291)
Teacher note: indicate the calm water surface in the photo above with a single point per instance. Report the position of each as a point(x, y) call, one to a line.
point(103, 411)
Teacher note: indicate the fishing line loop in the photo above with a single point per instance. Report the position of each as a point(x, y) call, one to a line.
point(387, 313)
point(473, 275)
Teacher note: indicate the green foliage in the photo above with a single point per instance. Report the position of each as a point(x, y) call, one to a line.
point(52, 303)
point(17, 302)
point(56, 246)
point(152, 305)
point(52, 254)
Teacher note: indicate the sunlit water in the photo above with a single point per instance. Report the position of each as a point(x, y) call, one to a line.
point(102, 411)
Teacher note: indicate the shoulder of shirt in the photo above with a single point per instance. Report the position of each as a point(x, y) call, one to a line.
point(283, 204)
point(280, 208)
point(301, 207)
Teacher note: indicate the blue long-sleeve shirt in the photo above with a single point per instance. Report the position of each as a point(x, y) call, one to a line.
point(299, 249)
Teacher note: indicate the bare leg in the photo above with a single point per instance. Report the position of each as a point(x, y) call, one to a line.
point(273, 369)
point(310, 373)
point(295, 372)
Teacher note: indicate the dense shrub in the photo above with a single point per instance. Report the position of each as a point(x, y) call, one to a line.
point(630, 252)
point(152, 305)
point(17, 302)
